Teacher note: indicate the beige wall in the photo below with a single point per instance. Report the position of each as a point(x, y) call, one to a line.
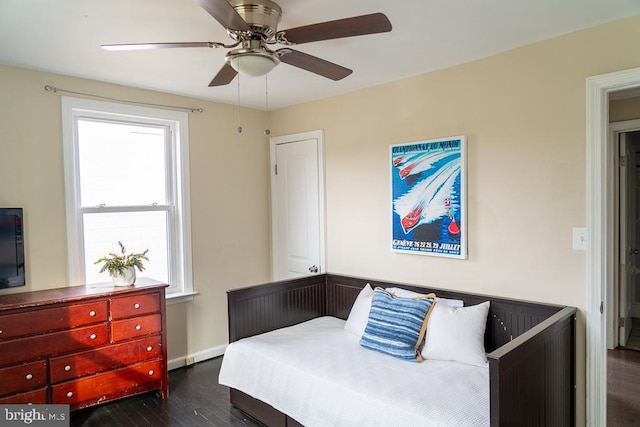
point(523, 113)
point(229, 195)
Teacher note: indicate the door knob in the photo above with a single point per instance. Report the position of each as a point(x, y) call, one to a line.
point(634, 251)
point(313, 269)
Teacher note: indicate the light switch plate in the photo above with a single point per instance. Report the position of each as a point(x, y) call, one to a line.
point(580, 238)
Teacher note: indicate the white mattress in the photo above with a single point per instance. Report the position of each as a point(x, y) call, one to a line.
point(318, 374)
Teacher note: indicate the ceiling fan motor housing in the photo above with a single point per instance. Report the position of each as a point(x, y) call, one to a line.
point(263, 16)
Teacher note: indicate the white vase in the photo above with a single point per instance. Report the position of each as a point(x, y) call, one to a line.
point(127, 278)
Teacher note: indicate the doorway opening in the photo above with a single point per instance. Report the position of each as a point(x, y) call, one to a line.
point(624, 313)
point(623, 295)
point(623, 292)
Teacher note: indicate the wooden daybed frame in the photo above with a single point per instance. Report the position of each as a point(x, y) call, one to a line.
point(532, 355)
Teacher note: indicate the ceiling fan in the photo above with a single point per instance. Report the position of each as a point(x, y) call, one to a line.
point(253, 27)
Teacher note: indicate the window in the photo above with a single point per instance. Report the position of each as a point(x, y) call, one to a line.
point(126, 177)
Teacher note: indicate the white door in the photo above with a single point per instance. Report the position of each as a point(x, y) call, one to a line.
point(297, 205)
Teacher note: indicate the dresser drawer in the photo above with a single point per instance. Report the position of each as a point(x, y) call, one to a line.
point(135, 327)
point(52, 319)
point(23, 377)
point(101, 385)
point(34, 397)
point(135, 305)
point(103, 359)
point(29, 348)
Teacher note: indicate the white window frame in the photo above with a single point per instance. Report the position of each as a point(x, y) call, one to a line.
point(179, 228)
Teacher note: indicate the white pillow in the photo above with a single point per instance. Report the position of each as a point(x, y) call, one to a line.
point(457, 334)
point(406, 293)
point(359, 314)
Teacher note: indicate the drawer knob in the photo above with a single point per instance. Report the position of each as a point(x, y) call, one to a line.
point(70, 394)
point(29, 377)
point(138, 327)
point(92, 313)
point(150, 372)
point(136, 305)
point(149, 348)
point(67, 368)
point(93, 336)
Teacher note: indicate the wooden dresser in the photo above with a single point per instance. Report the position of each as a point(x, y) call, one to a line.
point(83, 345)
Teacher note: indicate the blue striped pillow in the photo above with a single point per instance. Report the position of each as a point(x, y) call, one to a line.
point(397, 325)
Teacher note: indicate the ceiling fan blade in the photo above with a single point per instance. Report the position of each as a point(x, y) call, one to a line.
point(224, 76)
point(225, 14)
point(142, 46)
point(313, 63)
point(348, 27)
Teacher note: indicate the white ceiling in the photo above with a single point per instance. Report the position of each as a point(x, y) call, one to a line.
point(64, 36)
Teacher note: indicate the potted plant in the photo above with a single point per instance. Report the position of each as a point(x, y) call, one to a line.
point(122, 266)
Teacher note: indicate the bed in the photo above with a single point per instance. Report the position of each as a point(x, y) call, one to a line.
point(529, 378)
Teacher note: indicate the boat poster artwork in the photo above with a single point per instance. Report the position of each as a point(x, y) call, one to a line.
point(428, 197)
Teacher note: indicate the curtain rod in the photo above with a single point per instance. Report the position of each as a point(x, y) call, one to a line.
point(54, 89)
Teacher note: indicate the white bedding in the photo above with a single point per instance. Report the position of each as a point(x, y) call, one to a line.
point(318, 374)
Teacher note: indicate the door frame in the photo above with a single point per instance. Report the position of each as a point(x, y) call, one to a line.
point(285, 139)
point(601, 239)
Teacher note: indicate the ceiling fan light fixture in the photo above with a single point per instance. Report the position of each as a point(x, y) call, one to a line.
point(253, 63)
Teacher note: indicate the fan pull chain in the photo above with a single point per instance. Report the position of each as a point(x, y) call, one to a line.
point(267, 131)
point(239, 125)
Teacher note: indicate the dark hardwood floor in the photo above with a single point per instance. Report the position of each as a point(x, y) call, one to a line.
point(195, 399)
point(634, 338)
point(623, 388)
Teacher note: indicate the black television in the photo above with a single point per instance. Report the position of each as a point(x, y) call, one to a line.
point(11, 248)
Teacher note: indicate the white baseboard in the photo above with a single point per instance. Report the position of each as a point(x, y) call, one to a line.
point(200, 356)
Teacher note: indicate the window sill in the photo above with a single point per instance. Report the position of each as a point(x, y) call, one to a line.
point(179, 297)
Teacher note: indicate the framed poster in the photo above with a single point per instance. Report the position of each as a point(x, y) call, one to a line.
point(428, 197)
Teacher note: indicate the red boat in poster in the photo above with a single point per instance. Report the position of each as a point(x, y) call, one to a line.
point(405, 172)
point(399, 160)
point(411, 219)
